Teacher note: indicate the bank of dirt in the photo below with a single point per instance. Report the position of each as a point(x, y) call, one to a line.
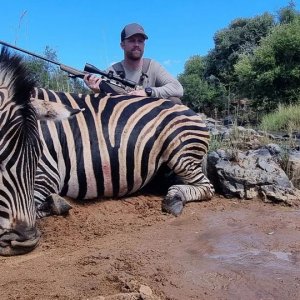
point(220, 249)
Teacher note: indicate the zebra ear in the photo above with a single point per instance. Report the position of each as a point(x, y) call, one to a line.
point(46, 110)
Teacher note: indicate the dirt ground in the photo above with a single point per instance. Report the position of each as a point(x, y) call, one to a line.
point(220, 249)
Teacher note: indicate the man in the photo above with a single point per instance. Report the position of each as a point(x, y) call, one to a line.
point(154, 80)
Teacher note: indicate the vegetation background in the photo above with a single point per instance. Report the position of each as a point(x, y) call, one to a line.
point(255, 62)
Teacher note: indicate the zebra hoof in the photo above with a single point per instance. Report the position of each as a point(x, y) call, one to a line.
point(173, 205)
point(58, 205)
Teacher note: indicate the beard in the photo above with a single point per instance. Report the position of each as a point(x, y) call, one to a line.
point(134, 54)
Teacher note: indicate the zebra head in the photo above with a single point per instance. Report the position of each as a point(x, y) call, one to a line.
point(20, 150)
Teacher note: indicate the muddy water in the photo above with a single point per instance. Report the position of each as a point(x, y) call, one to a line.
point(243, 254)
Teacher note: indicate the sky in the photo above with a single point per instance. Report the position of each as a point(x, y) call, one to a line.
point(89, 31)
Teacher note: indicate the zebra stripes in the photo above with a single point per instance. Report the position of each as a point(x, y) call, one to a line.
point(112, 148)
point(20, 149)
point(117, 145)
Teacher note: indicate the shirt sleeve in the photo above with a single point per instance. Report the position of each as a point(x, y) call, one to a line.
point(165, 85)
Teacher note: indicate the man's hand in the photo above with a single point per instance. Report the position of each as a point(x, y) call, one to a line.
point(138, 93)
point(93, 82)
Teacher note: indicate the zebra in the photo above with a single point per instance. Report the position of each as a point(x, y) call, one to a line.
point(87, 146)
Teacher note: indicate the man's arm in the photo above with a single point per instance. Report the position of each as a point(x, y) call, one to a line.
point(165, 84)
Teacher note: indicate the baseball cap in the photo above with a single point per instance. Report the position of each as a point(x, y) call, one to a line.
point(132, 29)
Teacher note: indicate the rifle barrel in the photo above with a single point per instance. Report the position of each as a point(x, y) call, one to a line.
point(76, 73)
point(30, 53)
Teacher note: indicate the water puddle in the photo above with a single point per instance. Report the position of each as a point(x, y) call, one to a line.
point(252, 254)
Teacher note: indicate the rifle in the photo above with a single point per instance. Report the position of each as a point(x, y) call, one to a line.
point(109, 77)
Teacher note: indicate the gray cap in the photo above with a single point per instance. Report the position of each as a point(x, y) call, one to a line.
point(132, 29)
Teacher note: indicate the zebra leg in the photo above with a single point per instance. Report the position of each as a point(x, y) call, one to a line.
point(53, 205)
point(196, 187)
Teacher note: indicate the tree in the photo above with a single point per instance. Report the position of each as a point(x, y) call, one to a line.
point(200, 93)
point(243, 35)
point(257, 58)
point(48, 75)
point(272, 74)
point(288, 14)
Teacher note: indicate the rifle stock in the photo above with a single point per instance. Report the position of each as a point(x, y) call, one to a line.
point(71, 71)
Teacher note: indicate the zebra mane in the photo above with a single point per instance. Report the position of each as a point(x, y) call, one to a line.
point(16, 77)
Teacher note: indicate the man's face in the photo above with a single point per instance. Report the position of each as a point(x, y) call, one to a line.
point(134, 46)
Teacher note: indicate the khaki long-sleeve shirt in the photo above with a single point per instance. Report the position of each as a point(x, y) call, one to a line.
point(163, 84)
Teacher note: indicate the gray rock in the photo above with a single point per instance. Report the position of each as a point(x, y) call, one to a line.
point(254, 173)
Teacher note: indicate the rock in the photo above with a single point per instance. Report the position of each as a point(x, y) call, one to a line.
point(288, 196)
point(145, 290)
point(145, 293)
point(124, 296)
point(228, 121)
point(254, 173)
point(274, 149)
point(294, 168)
